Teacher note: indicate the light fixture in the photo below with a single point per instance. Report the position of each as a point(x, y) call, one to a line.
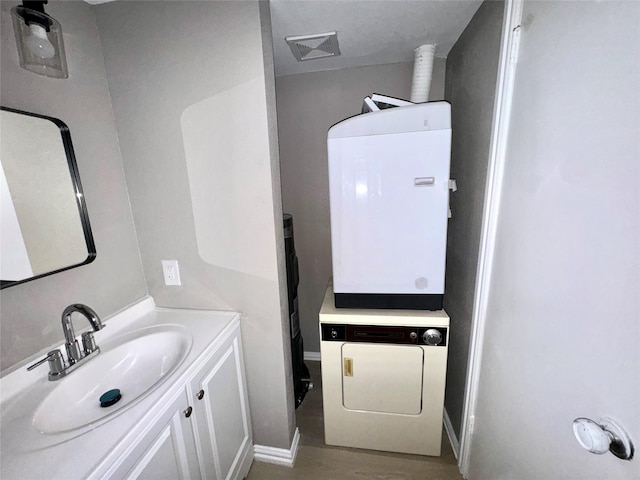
point(39, 40)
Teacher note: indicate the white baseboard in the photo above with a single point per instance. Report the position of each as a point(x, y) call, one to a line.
point(312, 356)
point(448, 427)
point(278, 456)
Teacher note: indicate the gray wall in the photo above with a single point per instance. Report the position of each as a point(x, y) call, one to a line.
point(472, 66)
point(31, 311)
point(562, 335)
point(175, 70)
point(308, 105)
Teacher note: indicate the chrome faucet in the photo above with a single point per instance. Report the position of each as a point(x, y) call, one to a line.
point(74, 353)
point(58, 368)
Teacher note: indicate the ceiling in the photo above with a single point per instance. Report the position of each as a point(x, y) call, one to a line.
point(370, 32)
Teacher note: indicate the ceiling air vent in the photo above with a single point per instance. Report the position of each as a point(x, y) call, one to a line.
point(310, 47)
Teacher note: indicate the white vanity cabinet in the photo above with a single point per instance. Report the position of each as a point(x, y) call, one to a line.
point(203, 431)
point(220, 413)
point(166, 451)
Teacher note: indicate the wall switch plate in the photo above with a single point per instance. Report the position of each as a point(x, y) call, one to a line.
point(171, 272)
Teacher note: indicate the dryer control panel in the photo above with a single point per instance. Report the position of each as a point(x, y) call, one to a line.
point(403, 335)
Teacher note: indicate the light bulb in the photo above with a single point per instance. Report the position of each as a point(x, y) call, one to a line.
point(38, 43)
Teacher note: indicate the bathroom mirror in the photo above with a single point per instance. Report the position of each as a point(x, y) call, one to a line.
point(44, 226)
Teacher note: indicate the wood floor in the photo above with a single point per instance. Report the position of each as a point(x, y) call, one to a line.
point(319, 461)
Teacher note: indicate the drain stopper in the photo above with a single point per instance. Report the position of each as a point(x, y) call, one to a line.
point(110, 398)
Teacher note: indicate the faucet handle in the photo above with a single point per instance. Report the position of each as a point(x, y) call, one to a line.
point(88, 343)
point(56, 362)
point(41, 361)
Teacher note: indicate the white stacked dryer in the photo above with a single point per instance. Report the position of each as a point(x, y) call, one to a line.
point(383, 377)
point(389, 194)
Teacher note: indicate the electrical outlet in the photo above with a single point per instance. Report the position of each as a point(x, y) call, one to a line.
point(171, 272)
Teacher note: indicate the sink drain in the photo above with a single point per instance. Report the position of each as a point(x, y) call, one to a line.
point(110, 398)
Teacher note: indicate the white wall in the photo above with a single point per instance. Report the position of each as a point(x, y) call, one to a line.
point(562, 339)
point(308, 105)
point(31, 311)
point(194, 106)
point(470, 84)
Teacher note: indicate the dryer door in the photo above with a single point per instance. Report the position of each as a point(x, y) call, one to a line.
point(382, 378)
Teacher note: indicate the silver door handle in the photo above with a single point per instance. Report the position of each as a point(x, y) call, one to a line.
point(424, 181)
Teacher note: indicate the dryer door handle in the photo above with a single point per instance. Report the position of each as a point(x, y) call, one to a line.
point(348, 367)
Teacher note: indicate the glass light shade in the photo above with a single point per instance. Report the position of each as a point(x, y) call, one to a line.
point(39, 41)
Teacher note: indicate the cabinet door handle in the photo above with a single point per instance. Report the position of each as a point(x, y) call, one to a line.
point(187, 412)
point(200, 394)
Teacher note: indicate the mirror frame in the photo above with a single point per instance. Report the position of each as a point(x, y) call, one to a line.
point(79, 196)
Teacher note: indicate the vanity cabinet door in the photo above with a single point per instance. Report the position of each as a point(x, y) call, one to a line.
point(222, 426)
point(167, 451)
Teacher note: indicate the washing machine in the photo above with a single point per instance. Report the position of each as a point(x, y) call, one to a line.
point(383, 377)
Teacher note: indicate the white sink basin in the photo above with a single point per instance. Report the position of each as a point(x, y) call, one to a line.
point(135, 363)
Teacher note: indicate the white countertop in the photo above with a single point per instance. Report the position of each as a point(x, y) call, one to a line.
point(29, 454)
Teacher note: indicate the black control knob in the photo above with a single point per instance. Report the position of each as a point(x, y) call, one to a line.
point(432, 337)
point(334, 333)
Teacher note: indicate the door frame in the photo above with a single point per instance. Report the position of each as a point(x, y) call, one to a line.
point(510, 41)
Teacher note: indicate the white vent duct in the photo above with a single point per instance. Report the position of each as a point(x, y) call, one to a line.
point(422, 73)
